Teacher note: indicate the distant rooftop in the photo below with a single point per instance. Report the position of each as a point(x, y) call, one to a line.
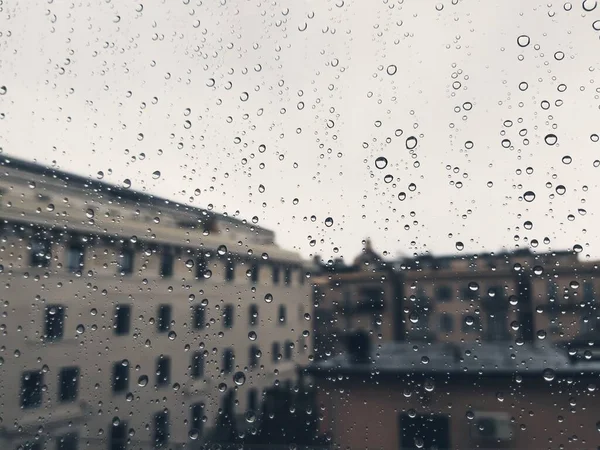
point(487, 358)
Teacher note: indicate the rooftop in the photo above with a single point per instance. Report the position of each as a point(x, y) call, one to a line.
point(475, 359)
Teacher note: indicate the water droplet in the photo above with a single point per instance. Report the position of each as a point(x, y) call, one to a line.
point(221, 250)
point(538, 270)
point(548, 374)
point(551, 139)
point(523, 40)
point(329, 222)
point(268, 298)
point(189, 263)
point(80, 329)
point(460, 246)
point(156, 174)
point(172, 335)
point(392, 69)
point(529, 196)
point(143, 380)
point(222, 387)
point(411, 142)
point(560, 189)
point(567, 159)
point(381, 162)
point(589, 5)
point(89, 213)
point(239, 378)
point(252, 336)
point(473, 286)
point(126, 183)
point(541, 334)
point(193, 434)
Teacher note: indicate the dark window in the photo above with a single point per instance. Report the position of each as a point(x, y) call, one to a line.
point(120, 376)
point(229, 270)
point(32, 445)
point(200, 267)
point(287, 275)
point(164, 318)
point(276, 274)
point(446, 323)
point(281, 317)
point(254, 273)
point(588, 292)
point(55, 321)
point(288, 350)
point(68, 384)
point(496, 326)
point(197, 365)
point(166, 263)
point(122, 319)
point(40, 253)
point(301, 276)
point(118, 435)
point(197, 423)
point(161, 428)
point(75, 257)
point(552, 289)
point(31, 389)
point(444, 293)
point(275, 351)
point(198, 317)
point(253, 356)
point(126, 261)
point(163, 371)
point(253, 315)
point(67, 442)
point(228, 316)
point(252, 400)
point(228, 359)
point(469, 293)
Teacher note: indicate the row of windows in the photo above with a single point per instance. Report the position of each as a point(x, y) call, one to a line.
point(32, 385)
point(118, 438)
point(68, 385)
point(40, 256)
point(69, 441)
point(55, 319)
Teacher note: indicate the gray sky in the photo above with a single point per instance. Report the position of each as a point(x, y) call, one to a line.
point(85, 81)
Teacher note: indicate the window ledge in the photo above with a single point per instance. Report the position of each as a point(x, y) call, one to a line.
point(55, 416)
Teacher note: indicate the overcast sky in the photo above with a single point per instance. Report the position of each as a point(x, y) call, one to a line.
point(193, 89)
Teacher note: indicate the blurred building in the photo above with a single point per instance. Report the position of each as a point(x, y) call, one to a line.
point(513, 297)
point(489, 395)
point(130, 318)
point(364, 296)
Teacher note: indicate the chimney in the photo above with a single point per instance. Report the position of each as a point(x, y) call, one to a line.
point(359, 347)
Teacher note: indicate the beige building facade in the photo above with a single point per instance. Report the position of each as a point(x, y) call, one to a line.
point(128, 321)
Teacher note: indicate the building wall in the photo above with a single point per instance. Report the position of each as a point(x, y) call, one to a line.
point(89, 298)
point(544, 415)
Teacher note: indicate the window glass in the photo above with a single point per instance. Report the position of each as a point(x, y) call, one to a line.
point(163, 371)
point(120, 376)
point(68, 384)
point(31, 389)
point(55, 322)
point(164, 318)
point(122, 321)
point(312, 225)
